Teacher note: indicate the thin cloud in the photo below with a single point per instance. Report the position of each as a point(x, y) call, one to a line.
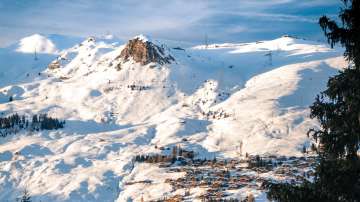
point(176, 19)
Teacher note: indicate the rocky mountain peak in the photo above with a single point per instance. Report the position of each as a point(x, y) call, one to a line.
point(143, 51)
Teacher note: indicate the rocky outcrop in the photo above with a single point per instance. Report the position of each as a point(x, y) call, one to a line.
point(144, 52)
point(54, 64)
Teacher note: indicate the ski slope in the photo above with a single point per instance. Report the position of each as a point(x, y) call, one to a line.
point(215, 97)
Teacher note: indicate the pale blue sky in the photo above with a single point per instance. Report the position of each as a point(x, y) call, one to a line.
point(186, 20)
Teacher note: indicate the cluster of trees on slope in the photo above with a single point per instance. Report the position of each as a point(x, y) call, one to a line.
point(337, 175)
point(14, 123)
point(25, 197)
point(260, 162)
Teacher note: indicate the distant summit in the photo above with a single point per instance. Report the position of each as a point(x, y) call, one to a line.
point(36, 43)
point(143, 51)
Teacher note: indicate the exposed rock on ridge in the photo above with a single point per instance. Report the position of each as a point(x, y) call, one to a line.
point(54, 64)
point(144, 52)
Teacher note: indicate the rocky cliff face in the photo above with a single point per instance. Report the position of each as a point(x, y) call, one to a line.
point(54, 64)
point(145, 52)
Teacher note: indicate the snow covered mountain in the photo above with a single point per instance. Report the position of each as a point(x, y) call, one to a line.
point(209, 99)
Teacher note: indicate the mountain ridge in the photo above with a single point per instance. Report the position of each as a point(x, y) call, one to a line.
point(211, 99)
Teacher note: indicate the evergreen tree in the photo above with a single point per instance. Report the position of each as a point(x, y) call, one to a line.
point(337, 176)
point(174, 152)
point(26, 196)
point(214, 160)
point(304, 149)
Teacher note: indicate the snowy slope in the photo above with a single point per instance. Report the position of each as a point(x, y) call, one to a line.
point(216, 97)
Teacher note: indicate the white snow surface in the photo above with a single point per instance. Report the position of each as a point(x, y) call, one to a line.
point(264, 88)
point(36, 43)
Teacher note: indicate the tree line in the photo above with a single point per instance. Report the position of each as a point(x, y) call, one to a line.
point(14, 123)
